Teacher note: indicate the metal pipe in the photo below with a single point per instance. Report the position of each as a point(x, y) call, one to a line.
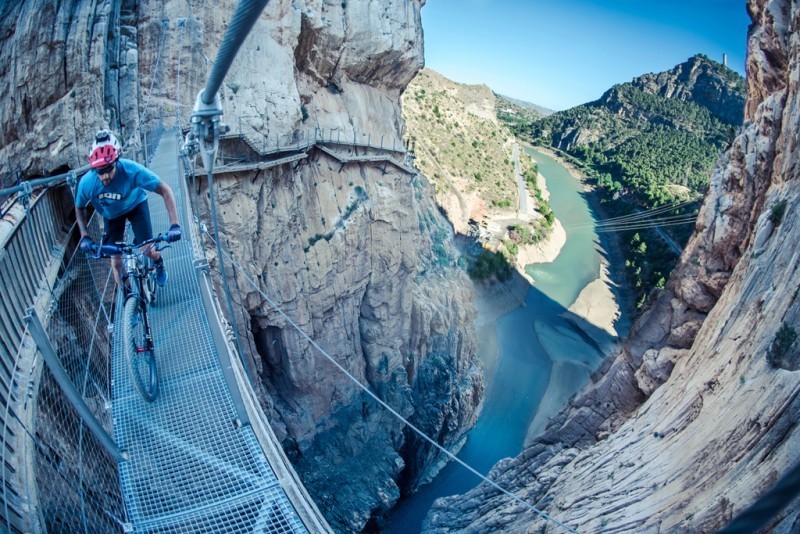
point(54, 364)
point(243, 21)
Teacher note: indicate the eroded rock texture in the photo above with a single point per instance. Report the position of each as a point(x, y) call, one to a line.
point(357, 255)
point(697, 417)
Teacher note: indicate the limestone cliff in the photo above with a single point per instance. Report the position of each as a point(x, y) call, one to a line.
point(698, 416)
point(357, 255)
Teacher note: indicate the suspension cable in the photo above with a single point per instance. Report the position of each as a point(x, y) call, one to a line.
point(243, 21)
point(223, 276)
point(644, 214)
point(377, 399)
point(137, 130)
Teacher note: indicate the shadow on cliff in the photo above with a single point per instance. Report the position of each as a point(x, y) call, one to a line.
point(536, 356)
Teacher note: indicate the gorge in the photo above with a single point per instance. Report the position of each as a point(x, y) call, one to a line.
point(680, 431)
point(697, 416)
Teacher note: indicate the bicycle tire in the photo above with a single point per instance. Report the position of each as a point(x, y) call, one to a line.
point(141, 360)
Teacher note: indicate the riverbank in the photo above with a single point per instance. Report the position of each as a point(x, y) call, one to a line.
point(599, 307)
point(603, 303)
point(544, 252)
point(597, 313)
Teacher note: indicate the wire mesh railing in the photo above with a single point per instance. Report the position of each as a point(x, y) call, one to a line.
point(56, 475)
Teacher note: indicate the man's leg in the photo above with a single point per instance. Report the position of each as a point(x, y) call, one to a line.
point(114, 232)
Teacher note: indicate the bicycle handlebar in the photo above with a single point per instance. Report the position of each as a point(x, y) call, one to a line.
point(120, 247)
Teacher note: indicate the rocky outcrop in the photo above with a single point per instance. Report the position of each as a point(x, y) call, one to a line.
point(697, 417)
point(699, 81)
point(703, 82)
point(356, 255)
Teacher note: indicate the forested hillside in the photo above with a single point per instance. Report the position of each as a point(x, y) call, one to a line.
point(647, 144)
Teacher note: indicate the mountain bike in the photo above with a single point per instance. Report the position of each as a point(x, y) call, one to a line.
point(139, 281)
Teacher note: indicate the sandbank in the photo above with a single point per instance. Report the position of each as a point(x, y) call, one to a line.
point(597, 303)
point(573, 361)
point(544, 252)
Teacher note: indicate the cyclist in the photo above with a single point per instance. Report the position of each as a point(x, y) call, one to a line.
point(117, 188)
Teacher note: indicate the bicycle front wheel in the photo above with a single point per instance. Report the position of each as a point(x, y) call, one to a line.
point(139, 354)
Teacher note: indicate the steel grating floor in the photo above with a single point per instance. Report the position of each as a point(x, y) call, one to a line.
point(190, 468)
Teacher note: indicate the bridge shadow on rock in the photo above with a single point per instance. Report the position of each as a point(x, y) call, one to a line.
point(536, 355)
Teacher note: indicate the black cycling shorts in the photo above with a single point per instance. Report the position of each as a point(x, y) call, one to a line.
point(139, 218)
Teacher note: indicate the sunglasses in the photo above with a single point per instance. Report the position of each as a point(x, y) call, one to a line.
point(105, 170)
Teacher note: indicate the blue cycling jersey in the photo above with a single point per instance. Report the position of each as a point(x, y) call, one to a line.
point(126, 191)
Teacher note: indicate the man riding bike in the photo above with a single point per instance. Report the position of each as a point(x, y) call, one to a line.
point(116, 187)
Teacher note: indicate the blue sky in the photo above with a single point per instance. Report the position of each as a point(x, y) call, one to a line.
point(562, 53)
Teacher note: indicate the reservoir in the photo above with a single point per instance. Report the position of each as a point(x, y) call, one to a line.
point(542, 355)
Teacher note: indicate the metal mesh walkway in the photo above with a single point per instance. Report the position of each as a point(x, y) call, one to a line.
point(190, 468)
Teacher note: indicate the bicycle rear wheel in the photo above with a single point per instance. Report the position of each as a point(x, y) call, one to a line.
point(139, 355)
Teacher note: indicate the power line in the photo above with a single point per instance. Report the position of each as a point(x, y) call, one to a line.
point(661, 216)
point(631, 227)
point(644, 214)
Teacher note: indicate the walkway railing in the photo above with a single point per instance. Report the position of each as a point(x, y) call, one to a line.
point(46, 444)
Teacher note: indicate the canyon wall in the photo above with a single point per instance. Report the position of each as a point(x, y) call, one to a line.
point(357, 255)
point(698, 415)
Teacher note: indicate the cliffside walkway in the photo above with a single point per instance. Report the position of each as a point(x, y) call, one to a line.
point(201, 457)
point(194, 463)
point(343, 151)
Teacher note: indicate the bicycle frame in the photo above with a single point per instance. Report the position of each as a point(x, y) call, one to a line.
point(138, 344)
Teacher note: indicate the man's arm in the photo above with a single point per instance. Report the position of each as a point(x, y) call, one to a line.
point(169, 201)
point(80, 217)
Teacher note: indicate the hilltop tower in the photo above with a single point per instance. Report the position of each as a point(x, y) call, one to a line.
point(725, 60)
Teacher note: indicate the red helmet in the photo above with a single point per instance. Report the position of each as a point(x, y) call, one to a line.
point(105, 149)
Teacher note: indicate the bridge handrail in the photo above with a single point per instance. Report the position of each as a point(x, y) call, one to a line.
point(31, 260)
point(248, 407)
point(48, 181)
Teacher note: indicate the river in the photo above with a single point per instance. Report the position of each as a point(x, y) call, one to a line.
point(542, 356)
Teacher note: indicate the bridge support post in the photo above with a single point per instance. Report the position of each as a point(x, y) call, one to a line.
point(54, 364)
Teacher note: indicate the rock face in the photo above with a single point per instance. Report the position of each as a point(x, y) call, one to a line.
point(698, 416)
point(357, 256)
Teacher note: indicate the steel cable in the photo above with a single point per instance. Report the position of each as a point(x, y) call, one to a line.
point(243, 21)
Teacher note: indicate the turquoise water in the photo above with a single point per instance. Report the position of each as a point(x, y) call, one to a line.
point(579, 261)
point(523, 369)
